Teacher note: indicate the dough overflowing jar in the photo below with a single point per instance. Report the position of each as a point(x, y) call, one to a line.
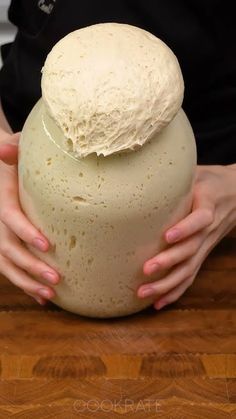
point(104, 213)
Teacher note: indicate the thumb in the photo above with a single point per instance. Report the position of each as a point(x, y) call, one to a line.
point(9, 149)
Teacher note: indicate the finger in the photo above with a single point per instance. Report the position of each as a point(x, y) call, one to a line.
point(39, 300)
point(173, 295)
point(22, 258)
point(9, 153)
point(23, 281)
point(17, 222)
point(177, 275)
point(13, 217)
point(9, 150)
point(174, 255)
point(170, 281)
point(194, 222)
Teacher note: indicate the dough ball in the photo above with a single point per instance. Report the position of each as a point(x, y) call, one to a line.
point(110, 87)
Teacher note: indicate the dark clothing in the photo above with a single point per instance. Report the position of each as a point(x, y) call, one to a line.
point(201, 33)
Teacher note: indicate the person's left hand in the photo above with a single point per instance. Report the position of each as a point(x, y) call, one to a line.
point(213, 215)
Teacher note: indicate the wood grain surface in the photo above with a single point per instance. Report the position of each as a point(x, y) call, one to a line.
point(177, 363)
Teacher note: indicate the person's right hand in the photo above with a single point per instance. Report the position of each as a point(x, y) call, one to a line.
point(16, 261)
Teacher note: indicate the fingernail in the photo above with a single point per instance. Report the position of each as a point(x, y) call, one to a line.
point(160, 304)
point(153, 268)
point(40, 301)
point(40, 244)
point(50, 276)
point(173, 235)
point(146, 292)
point(44, 293)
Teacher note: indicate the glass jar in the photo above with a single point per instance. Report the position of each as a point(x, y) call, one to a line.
point(104, 216)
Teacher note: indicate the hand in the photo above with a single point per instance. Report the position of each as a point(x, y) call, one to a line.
point(16, 262)
point(213, 216)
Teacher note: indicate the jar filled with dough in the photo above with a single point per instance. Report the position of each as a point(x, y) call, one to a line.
point(107, 162)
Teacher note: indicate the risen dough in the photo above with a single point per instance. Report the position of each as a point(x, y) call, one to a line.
point(104, 216)
point(110, 87)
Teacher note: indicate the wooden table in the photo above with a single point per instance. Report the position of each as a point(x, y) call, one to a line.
point(177, 363)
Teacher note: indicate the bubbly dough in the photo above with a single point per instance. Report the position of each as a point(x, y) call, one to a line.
point(110, 87)
point(104, 216)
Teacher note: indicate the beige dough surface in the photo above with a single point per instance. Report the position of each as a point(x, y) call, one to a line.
point(110, 87)
point(104, 215)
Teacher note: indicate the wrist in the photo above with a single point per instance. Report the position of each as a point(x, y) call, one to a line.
point(3, 135)
point(232, 176)
point(232, 166)
point(4, 124)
